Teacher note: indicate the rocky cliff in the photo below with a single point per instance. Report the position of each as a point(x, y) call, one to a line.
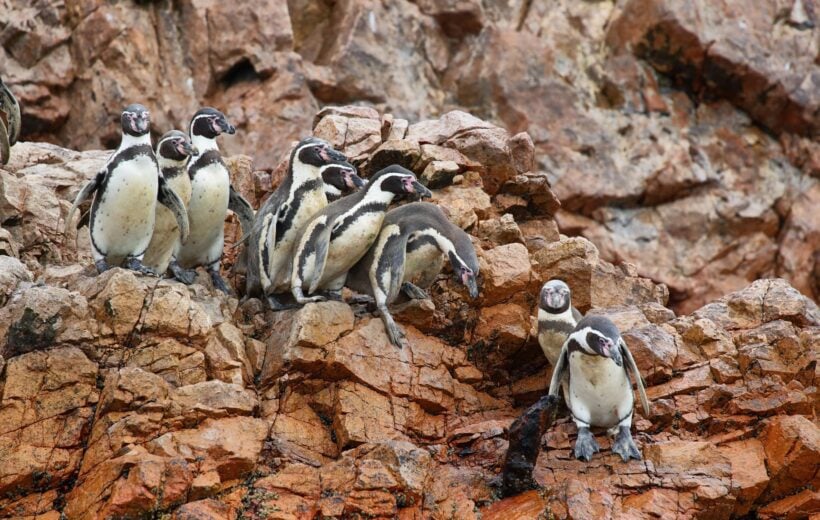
point(124, 396)
point(680, 137)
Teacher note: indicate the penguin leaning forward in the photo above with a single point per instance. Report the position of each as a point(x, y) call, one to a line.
point(173, 150)
point(340, 234)
point(407, 257)
point(281, 218)
point(11, 132)
point(211, 197)
point(598, 362)
point(125, 194)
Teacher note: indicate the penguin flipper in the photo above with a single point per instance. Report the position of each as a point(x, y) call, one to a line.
point(10, 105)
point(243, 210)
point(5, 145)
point(168, 198)
point(321, 246)
point(576, 315)
point(560, 367)
point(633, 367)
point(89, 188)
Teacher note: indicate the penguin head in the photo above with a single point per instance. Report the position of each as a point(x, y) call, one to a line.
point(398, 180)
point(601, 337)
point(175, 146)
point(465, 274)
point(135, 120)
point(341, 176)
point(210, 123)
point(313, 151)
point(555, 297)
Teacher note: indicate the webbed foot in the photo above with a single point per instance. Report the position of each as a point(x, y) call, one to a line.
point(414, 291)
point(625, 446)
point(585, 445)
point(186, 276)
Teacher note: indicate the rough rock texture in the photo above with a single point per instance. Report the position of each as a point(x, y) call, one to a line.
point(124, 396)
point(680, 137)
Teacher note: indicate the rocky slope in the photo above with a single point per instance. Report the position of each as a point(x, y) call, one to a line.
point(123, 396)
point(680, 136)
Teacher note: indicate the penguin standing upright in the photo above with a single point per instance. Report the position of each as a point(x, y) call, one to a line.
point(340, 235)
point(598, 362)
point(8, 134)
point(408, 255)
point(126, 191)
point(173, 150)
point(340, 180)
point(283, 215)
point(210, 198)
point(556, 318)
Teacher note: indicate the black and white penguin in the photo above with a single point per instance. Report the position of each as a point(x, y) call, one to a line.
point(556, 318)
point(173, 151)
point(210, 198)
point(126, 191)
point(280, 220)
point(407, 257)
point(597, 362)
point(11, 132)
point(340, 180)
point(340, 235)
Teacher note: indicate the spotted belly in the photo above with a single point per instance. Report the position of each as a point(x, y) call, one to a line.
point(123, 213)
point(599, 390)
point(206, 215)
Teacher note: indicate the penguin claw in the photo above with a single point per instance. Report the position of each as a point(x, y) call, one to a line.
point(219, 283)
point(186, 276)
point(625, 446)
point(276, 305)
point(102, 266)
point(585, 446)
point(135, 264)
point(414, 291)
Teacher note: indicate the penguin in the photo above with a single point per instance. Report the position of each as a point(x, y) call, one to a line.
point(281, 218)
point(9, 133)
point(210, 200)
point(126, 191)
point(597, 362)
point(411, 247)
point(340, 181)
point(556, 318)
point(340, 235)
point(172, 151)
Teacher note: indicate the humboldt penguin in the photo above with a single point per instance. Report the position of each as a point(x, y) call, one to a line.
point(408, 255)
point(126, 191)
point(598, 362)
point(340, 235)
point(10, 128)
point(172, 151)
point(340, 180)
point(556, 318)
point(280, 220)
point(210, 198)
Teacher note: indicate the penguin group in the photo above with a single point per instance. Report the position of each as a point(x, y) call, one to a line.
point(164, 208)
point(591, 366)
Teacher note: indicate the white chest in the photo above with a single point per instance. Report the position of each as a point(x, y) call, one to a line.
point(422, 260)
point(599, 390)
point(350, 246)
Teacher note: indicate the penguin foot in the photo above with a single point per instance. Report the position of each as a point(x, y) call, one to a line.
point(135, 264)
point(301, 299)
point(186, 276)
point(585, 445)
point(335, 296)
point(277, 305)
point(360, 299)
point(394, 332)
point(414, 291)
point(625, 446)
point(102, 266)
point(219, 282)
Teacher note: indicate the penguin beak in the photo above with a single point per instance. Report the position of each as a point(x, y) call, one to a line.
point(140, 123)
point(411, 185)
point(186, 148)
point(353, 181)
point(469, 280)
point(227, 127)
point(610, 350)
point(330, 155)
point(555, 300)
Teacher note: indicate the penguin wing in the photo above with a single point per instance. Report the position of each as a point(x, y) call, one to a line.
point(12, 108)
point(89, 188)
point(392, 258)
point(168, 198)
point(5, 145)
point(560, 367)
point(243, 209)
point(321, 246)
point(632, 367)
point(576, 314)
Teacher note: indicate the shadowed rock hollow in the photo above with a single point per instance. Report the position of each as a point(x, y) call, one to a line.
point(123, 396)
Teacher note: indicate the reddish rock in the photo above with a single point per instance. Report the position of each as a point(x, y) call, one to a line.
point(792, 445)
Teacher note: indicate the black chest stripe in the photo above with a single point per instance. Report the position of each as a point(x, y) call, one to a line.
point(206, 159)
point(556, 326)
point(171, 172)
point(372, 207)
point(417, 242)
point(285, 221)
